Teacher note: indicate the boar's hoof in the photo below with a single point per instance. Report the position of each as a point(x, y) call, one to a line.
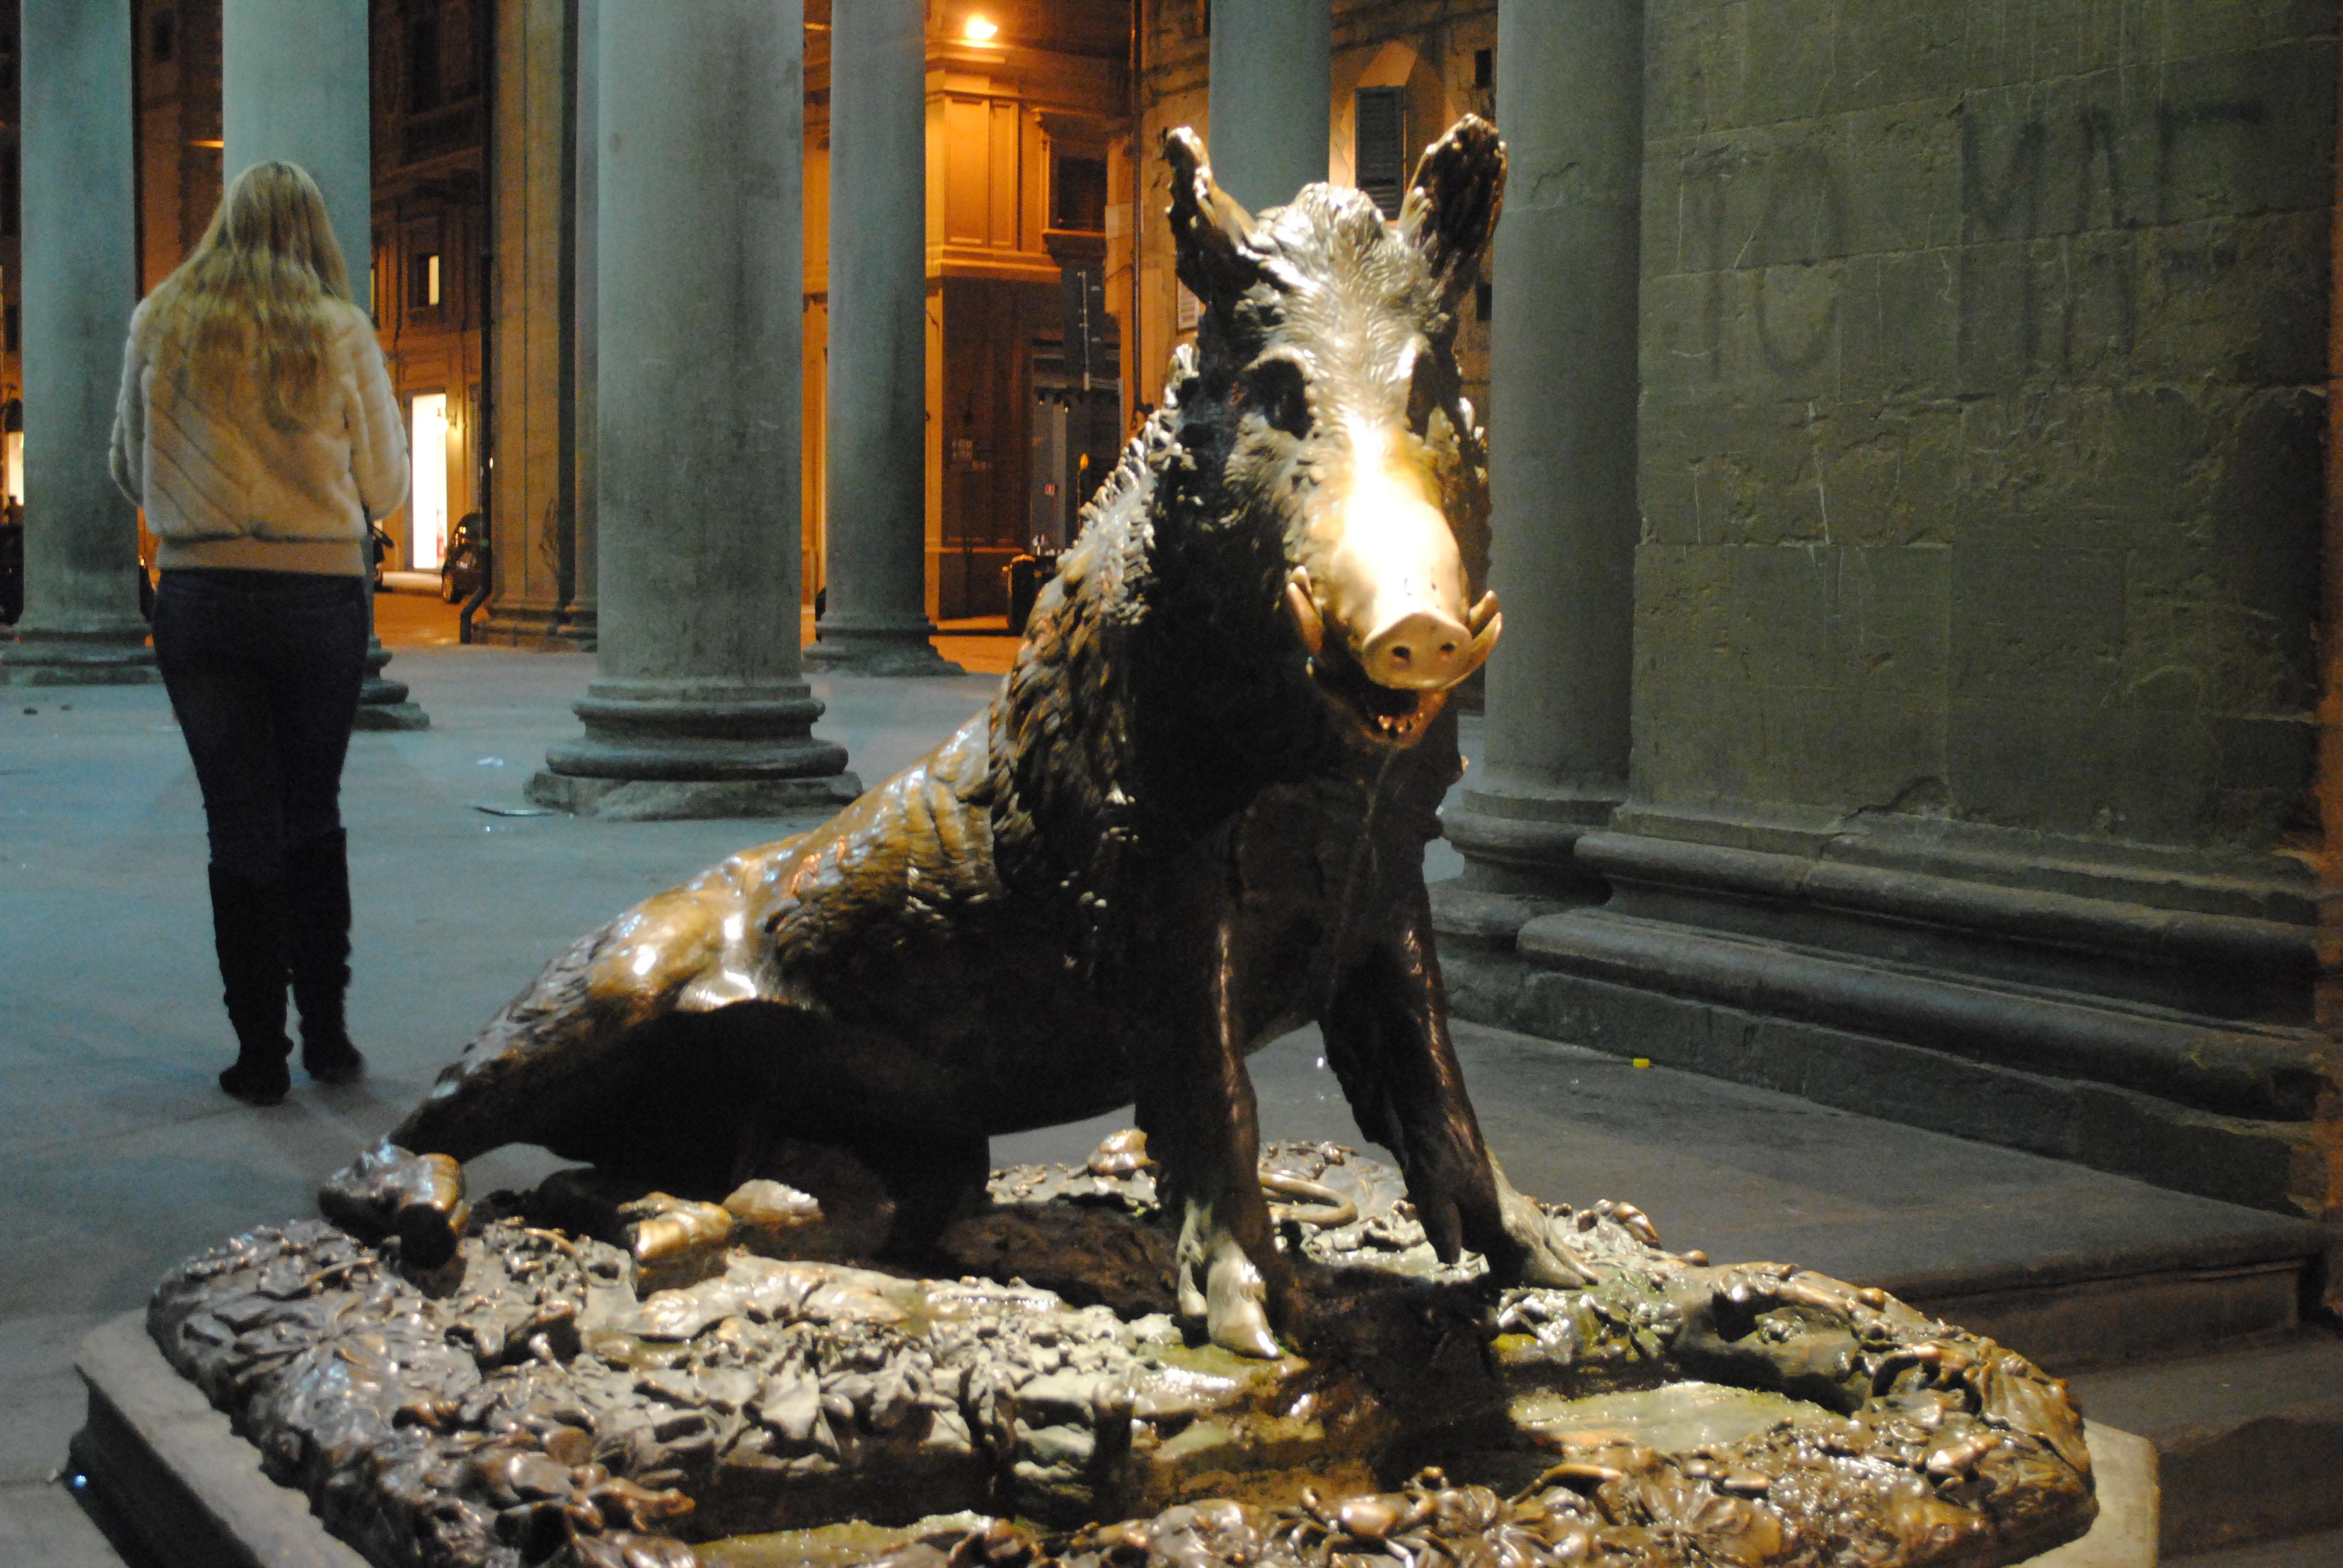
point(1547, 1258)
point(1223, 1287)
point(675, 1240)
point(1236, 1305)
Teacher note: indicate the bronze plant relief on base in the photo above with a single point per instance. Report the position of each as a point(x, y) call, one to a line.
point(1193, 819)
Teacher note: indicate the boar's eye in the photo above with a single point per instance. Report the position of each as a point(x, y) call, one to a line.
point(1277, 391)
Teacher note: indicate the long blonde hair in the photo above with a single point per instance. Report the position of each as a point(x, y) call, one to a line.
point(260, 289)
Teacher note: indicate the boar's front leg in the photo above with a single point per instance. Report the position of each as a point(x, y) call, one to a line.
point(1387, 1040)
point(1196, 1107)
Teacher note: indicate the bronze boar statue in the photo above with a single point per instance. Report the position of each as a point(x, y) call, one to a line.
point(1193, 819)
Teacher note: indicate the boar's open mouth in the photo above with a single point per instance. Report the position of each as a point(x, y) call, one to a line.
point(1392, 715)
point(1383, 713)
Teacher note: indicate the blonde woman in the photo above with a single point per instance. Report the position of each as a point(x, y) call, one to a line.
point(258, 429)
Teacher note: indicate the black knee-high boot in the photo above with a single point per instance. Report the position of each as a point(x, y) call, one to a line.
point(252, 973)
point(317, 947)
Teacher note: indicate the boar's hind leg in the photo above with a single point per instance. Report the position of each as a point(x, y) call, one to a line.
point(1386, 1034)
point(1196, 1107)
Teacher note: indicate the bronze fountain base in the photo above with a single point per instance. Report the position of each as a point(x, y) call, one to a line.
point(602, 1378)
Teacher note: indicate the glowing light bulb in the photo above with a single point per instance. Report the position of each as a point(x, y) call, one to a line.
point(981, 29)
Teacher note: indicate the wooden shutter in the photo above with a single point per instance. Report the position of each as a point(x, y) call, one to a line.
point(1380, 147)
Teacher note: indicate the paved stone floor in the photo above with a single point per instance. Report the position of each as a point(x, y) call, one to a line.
point(118, 1154)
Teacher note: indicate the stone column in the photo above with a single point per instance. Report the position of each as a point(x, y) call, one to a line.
point(543, 65)
point(80, 622)
point(699, 708)
point(1271, 98)
point(295, 85)
point(1563, 389)
point(585, 210)
point(876, 620)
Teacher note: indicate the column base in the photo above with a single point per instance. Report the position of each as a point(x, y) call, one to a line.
point(905, 652)
point(679, 799)
point(378, 715)
point(77, 659)
point(537, 630)
point(383, 703)
point(1521, 836)
point(657, 750)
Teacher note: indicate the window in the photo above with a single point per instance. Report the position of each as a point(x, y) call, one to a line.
point(1483, 296)
point(423, 292)
point(423, 82)
point(1078, 194)
point(1379, 140)
point(163, 38)
point(1484, 67)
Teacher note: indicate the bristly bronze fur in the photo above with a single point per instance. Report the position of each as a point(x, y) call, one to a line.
point(1182, 829)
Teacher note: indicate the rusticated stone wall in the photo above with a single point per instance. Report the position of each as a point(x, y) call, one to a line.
point(1983, 362)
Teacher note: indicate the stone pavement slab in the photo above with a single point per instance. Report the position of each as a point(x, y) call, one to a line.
point(41, 1524)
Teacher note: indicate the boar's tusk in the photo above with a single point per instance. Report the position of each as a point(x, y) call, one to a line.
point(1305, 610)
point(1484, 641)
point(1481, 613)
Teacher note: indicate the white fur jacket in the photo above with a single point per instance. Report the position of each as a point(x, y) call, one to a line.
point(222, 487)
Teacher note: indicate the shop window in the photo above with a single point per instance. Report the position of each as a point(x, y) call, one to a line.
point(1380, 145)
point(1078, 194)
point(163, 38)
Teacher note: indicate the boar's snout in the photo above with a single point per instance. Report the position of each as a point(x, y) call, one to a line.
point(1422, 650)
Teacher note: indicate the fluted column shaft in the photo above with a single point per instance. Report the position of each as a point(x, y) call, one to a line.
point(1563, 395)
point(700, 707)
point(875, 620)
point(80, 622)
point(1271, 98)
point(295, 85)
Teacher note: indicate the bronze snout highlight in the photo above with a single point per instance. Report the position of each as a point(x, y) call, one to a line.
point(1425, 650)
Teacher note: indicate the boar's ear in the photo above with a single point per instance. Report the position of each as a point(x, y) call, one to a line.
point(1452, 209)
point(1208, 225)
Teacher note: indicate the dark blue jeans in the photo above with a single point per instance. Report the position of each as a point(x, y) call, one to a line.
point(263, 671)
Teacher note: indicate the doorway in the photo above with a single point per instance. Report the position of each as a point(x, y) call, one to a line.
point(426, 510)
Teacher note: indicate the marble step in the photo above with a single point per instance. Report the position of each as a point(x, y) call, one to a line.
point(2152, 1299)
point(2248, 1445)
point(2220, 1108)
